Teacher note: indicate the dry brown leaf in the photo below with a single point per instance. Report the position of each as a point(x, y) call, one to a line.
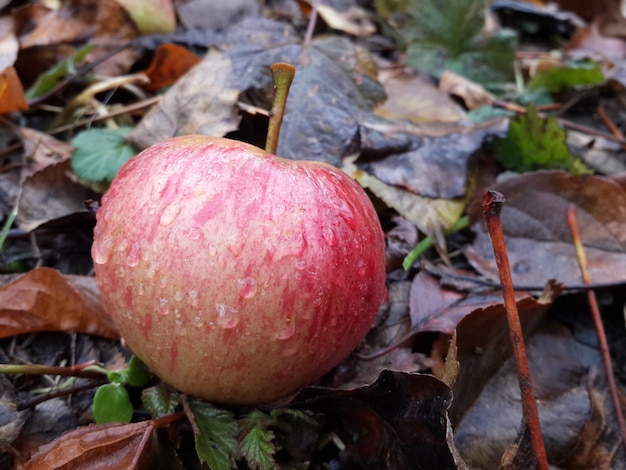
point(42, 149)
point(104, 23)
point(473, 95)
point(11, 92)
point(96, 447)
point(537, 235)
point(50, 194)
point(414, 98)
point(354, 20)
point(201, 102)
point(45, 300)
point(169, 63)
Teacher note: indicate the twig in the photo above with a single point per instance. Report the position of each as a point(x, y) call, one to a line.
point(492, 206)
point(597, 320)
point(79, 370)
point(610, 125)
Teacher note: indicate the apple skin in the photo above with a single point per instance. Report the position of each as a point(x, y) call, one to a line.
point(235, 275)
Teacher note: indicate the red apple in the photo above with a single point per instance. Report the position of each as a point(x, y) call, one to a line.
point(235, 275)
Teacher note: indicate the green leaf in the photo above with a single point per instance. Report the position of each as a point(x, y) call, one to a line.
point(216, 444)
point(100, 153)
point(111, 404)
point(447, 35)
point(567, 76)
point(159, 400)
point(49, 79)
point(137, 373)
point(257, 445)
point(535, 143)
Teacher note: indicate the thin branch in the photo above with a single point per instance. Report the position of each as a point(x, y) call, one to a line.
point(597, 319)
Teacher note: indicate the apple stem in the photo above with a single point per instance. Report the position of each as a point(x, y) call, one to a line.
point(492, 206)
point(282, 76)
point(597, 319)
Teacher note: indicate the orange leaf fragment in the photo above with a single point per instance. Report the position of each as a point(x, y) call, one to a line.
point(169, 63)
point(45, 300)
point(97, 446)
point(11, 92)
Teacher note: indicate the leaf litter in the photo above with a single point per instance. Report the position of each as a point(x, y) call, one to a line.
point(405, 132)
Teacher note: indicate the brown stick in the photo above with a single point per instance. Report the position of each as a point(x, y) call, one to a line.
point(597, 319)
point(492, 206)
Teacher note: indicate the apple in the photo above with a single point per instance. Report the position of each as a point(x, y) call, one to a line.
point(235, 275)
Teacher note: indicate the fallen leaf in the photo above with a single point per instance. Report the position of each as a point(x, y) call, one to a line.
point(215, 15)
point(352, 20)
point(51, 194)
point(98, 447)
point(201, 102)
point(589, 42)
point(169, 63)
point(41, 30)
point(8, 43)
point(42, 150)
point(150, 16)
point(404, 418)
point(431, 216)
point(11, 92)
point(472, 94)
point(414, 98)
point(538, 237)
point(563, 372)
point(331, 83)
point(11, 419)
point(45, 300)
point(432, 166)
point(440, 309)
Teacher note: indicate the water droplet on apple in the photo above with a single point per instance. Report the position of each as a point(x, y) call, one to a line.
point(329, 236)
point(163, 282)
point(293, 244)
point(235, 245)
point(194, 233)
point(176, 313)
point(132, 257)
point(122, 246)
point(197, 320)
point(301, 265)
point(286, 331)
point(140, 289)
point(163, 308)
point(179, 322)
point(361, 271)
point(193, 298)
point(169, 214)
point(247, 287)
point(212, 250)
point(102, 250)
point(227, 316)
point(290, 351)
point(178, 296)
